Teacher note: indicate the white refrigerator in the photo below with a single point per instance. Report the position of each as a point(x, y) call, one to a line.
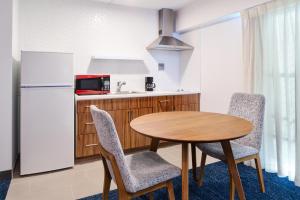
point(46, 112)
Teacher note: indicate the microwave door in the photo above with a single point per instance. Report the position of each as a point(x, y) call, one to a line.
point(88, 84)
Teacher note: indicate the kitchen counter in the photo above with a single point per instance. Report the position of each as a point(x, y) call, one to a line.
point(132, 95)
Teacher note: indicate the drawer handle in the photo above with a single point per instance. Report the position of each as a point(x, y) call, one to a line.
point(164, 101)
point(91, 145)
point(129, 116)
point(89, 123)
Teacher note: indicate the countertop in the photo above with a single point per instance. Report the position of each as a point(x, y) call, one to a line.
point(133, 95)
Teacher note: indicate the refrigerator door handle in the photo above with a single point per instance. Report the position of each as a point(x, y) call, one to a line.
point(47, 86)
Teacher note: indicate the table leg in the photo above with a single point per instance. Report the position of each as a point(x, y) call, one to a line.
point(154, 144)
point(233, 169)
point(185, 171)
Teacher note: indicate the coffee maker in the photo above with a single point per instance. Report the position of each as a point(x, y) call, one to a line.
point(149, 85)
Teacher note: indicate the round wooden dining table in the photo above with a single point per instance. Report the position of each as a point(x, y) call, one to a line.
point(195, 127)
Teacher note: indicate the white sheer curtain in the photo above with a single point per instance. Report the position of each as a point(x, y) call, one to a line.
point(271, 34)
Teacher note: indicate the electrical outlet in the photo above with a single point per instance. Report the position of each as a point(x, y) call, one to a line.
point(161, 66)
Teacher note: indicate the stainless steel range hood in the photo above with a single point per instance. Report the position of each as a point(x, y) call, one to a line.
point(165, 40)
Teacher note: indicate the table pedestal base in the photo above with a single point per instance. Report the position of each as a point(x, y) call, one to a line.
point(185, 171)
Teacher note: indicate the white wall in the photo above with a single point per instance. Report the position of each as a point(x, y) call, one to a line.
point(215, 67)
point(190, 63)
point(203, 11)
point(90, 28)
point(222, 65)
point(6, 85)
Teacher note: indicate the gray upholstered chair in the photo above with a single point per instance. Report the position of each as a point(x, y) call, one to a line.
point(135, 174)
point(247, 106)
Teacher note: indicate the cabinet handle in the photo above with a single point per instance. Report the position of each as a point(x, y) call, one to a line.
point(91, 145)
point(131, 113)
point(89, 123)
point(164, 101)
point(129, 116)
point(165, 105)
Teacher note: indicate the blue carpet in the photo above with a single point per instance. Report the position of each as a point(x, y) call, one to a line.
point(4, 185)
point(216, 186)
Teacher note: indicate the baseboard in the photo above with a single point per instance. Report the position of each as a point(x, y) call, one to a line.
point(5, 174)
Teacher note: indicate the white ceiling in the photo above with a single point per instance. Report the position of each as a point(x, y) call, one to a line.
point(151, 4)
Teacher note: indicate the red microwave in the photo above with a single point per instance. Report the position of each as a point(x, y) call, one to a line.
point(92, 84)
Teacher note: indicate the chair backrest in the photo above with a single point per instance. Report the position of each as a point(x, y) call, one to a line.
point(109, 140)
point(250, 107)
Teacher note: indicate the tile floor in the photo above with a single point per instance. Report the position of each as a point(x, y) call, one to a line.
point(85, 179)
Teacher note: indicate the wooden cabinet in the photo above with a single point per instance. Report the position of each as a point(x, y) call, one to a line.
point(122, 112)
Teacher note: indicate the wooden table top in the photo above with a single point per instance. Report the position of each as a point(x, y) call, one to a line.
point(191, 126)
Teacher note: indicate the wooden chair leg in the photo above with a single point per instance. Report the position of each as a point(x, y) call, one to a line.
point(201, 171)
point(170, 190)
point(124, 196)
point(260, 174)
point(232, 188)
point(194, 162)
point(106, 186)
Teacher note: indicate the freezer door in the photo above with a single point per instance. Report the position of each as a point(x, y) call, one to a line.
point(47, 129)
point(42, 68)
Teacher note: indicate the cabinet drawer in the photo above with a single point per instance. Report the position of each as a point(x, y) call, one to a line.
point(84, 106)
point(87, 145)
point(86, 128)
point(85, 124)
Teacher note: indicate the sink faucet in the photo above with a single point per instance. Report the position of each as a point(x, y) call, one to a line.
point(119, 85)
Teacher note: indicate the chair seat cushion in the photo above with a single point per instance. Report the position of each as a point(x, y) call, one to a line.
point(148, 169)
point(215, 150)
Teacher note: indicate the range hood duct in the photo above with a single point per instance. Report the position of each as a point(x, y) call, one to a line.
point(165, 40)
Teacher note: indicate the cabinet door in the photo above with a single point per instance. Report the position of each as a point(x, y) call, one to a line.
point(127, 130)
point(134, 136)
point(118, 117)
point(137, 139)
point(145, 111)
